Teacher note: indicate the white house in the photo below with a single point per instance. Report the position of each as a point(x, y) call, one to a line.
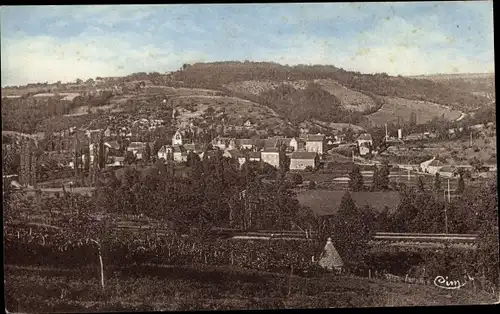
point(248, 123)
point(432, 165)
point(300, 160)
point(294, 143)
point(254, 156)
point(271, 156)
point(315, 143)
point(179, 153)
point(165, 152)
point(365, 143)
point(177, 138)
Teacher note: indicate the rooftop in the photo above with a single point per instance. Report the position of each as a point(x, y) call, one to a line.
point(315, 138)
point(303, 155)
point(271, 150)
point(365, 137)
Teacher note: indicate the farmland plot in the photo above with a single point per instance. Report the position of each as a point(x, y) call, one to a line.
point(395, 107)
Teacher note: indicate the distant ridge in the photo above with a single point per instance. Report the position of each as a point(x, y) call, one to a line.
point(453, 75)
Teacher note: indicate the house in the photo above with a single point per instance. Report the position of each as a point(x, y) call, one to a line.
point(244, 143)
point(137, 148)
point(291, 143)
point(432, 165)
point(414, 137)
point(365, 143)
point(254, 156)
point(177, 138)
point(179, 153)
point(113, 147)
point(270, 143)
point(339, 138)
point(193, 147)
point(209, 153)
point(448, 171)
point(294, 143)
point(248, 123)
point(165, 152)
point(223, 143)
point(235, 154)
point(315, 143)
point(117, 162)
point(300, 160)
point(271, 156)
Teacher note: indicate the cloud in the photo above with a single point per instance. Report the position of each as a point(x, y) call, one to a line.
point(67, 42)
point(44, 58)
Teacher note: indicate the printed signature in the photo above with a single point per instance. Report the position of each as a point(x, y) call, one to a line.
point(444, 283)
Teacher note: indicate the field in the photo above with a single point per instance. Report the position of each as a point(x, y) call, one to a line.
point(350, 99)
point(395, 107)
point(236, 109)
point(324, 202)
point(199, 287)
point(456, 151)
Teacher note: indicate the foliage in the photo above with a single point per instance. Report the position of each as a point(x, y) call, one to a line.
point(356, 179)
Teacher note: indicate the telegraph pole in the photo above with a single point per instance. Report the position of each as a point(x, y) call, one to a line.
point(448, 190)
point(470, 141)
point(446, 209)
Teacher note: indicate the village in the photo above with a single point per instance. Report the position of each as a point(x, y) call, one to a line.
point(228, 157)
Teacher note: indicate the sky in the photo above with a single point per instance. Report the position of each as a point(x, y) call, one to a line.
point(63, 43)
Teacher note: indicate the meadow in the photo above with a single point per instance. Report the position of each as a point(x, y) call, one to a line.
point(199, 287)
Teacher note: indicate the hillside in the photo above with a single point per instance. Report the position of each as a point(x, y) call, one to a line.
point(269, 93)
point(214, 75)
point(481, 84)
point(395, 108)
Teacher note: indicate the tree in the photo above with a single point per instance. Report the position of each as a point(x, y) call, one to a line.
point(147, 153)
point(420, 184)
point(375, 179)
point(356, 179)
point(349, 135)
point(381, 177)
point(476, 164)
point(437, 183)
point(351, 229)
point(79, 81)
point(312, 185)
point(130, 158)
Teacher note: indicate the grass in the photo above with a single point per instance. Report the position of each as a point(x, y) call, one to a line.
point(327, 202)
point(153, 288)
point(395, 107)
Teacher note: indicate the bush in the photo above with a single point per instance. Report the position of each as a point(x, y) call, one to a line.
point(296, 178)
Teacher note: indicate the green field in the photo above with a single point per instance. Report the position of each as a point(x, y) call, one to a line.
point(153, 288)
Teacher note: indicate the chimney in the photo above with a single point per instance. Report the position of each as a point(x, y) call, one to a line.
point(400, 133)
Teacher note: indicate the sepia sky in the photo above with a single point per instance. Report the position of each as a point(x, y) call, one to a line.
point(51, 43)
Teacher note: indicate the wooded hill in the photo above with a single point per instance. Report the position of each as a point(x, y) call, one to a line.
point(214, 75)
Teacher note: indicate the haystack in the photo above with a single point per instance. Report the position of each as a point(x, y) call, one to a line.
point(330, 258)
